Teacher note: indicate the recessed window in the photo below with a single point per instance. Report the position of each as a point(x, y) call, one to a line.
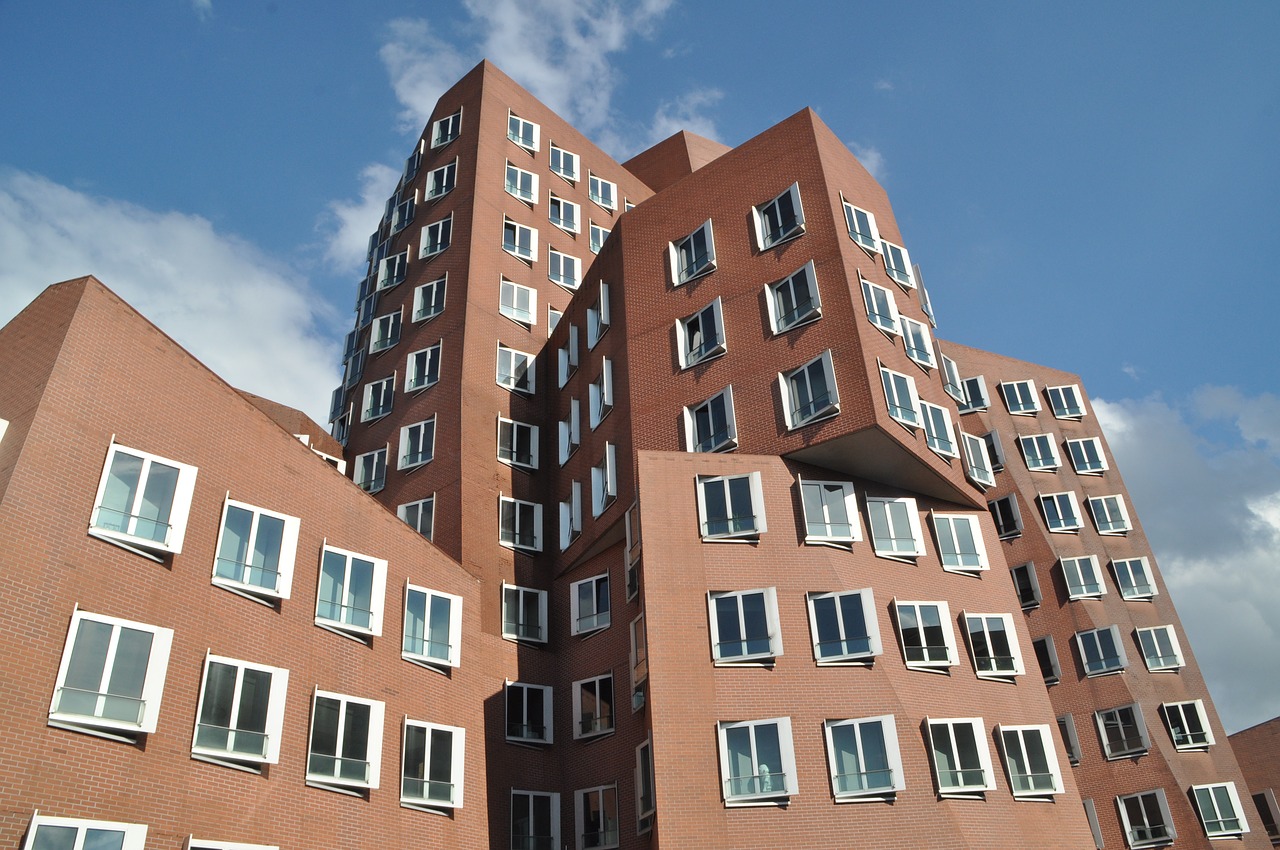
point(604, 481)
point(589, 604)
point(863, 757)
point(794, 301)
point(1133, 577)
point(378, 398)
point(960, 545)
point(369, 472)
point(898, 264)
point(1040, 452)
point(346, 741)
point(1065, 402)
point(441, 181)
point(951, 382)
point(46, 833)
point(756, 760)
point(830, 512)
point(915, 335)
point(862, 227)
point(417, 443)
point(895, 527)
point(600, 394)
point(693, 256)
point(731, 506)
point(938, 432)
point(112, 676)
point(524, 613)
point(1007, 516)
point(1086, 456)
point(1269, 812)
point(518, 303)
point(882, 310)
point(392, 270)
point(809, 393)
point(1123, 731)
point(524, 133)
point(1101, 651)
point(598, 235)
point(432, 627)
point(995, 450)
point(597, 817)
point(961, 759)
point(1030, 759)
point(645, 806)
point(256, 550)
point(710, 426)
point(570, 432)
point(843, 627)
point(1188, 725)
point(975, 394)
point(519, 524)
point(598, 316)
point(593, 706)
point(419, 515)
point(535, 819)
point(564, 269)
point(1027, 585)
point(351, 593)
point(1061, 512)
point(522, 184)
point(1110, 515)
point(446, 129)
point(142, 501)
point(403, 211)
point(780, 219)
point(528, 713)
point(436, 237)
point(924, 629)
point(431, 770)
point(1020, 397)
point(422, 369)
point(567, 356)
point(744, 626)
point(1070, 742)
point(571, 516)
point(1047, 659)
point(701, 336)
point(428, 300)
point(519, 240)
point(564, 214)
point(1219, 809)
point(1160, 648)
point(1146, 819)
point(977, 463)
point(241, 712)
point(564, 163)
point(1083, 578)
point(900, 395)
point(516, 370)
point(603, 192)
point(354, 369)
point(993, 646)
point(517, 443)
point(412, 163)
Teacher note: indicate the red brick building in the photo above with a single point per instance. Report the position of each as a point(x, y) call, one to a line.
point(1258, 750)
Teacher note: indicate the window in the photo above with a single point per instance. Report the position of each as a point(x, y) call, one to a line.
point(598, 235)
point(519, 240)
point(1007, 517)
point(112, 676)
point(1133, 577)
point(419, 515)
point(701, 336)
point(1066, 402)
point(569, 432)
point(937, 429)
point(571, 516)
point(975, 394)
point(882, 310)
point(895, 527)
point(446, 129)
point(412, 163)
point(1070, 742)
point(1026, 585)
point(1047, 657)
point(528, 713)
point(710, 426)
point(794, 300)
point(515, 370)
point(564, 163)
point(436, 236)
point(563, 269)
point(428, 300)
point(1145, 819)
point(522, 184)
point(431, 773)
point(1030, 759)
point(598, 316)
point(756, 760)
point(346, 741)
point(241, 712)
point(523, 133)
point(589, 604)
point(915, 335)
point(780, 219)
point(744, 625)
point(693, 256)
point(143, 500)
point(1160, 648)
point(1219, 810)
point(898, 264)
point(417, 443)
point(1083, 578)
point(644, 779)
point(517, 443)
point(370, 470)
point(597, 817)
point(524, 613)
point(563, 214)
point(256, 550)
point(518, 303)
point(1061, 511)
point(993, 644)
point(392, 270)
point(995, 450)
point(960, 543)
point(900, 395)
point(535, 820)
point(1268, 812)
point(403, 213)
point(639, 653)
point(924, 629)
point(731, 506)
point(46, 833)
point(977, 465)
point(1086, 456)
point(830, 513)
point(593, 706)
point(1101, 651)
point(432, 627)
point(863, 757)
point(519, 524)
point(441, 181)
point(378, 397)
point(1110, 515)
point(961, 760)
point(342, 428)
point(422, 369)
point(1040, 452)
point(843, 627)
point(951, 382)
point(600, 394)
point(352, 589)
point(809, 393)
point(603, 192)
point(1122, 731)
point(862, 227)
point(604, 481)
point(1188, 725)
point(1020, 397)
point(567, 356)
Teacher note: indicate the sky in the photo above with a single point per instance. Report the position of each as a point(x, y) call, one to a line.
point(1092, 186)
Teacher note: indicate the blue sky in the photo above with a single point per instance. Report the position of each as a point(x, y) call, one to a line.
point(1091, 186)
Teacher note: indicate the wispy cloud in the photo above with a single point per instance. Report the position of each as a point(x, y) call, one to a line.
point(691, 111)
point(883, 85)
point(422, 65)
point(348, 223)
point(227, 302)
point(871, 159)
point(203, 8)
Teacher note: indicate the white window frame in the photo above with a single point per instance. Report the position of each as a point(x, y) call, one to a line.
point(851, 787)
point(1150, 832)
point(369, 472)
point(373, 743)
point(446, 129)
point(146, 703)
point(940, 436)
point(419, 648)
point(509, 431)
point(1023, 783)
point(527, 692)
point(570, 432)
point(882, 308)
point(644, 785)
point(559, 259)
point(921, 655)
point(273, 721)
point(519, 240)
point(436, 237)
point(977, 462)
point(848, 649)
point(918, 342)
point(604, 481)
point(1083, 577)
point(1211, 801)
point(639, 656)
point(598, 317)
point(868, 240)
point(1053, 674)
point(441, 181)
point(1130, 727)
point(976, 396)
point(1089, 645)
point(552, 803)
point(590, 720)
point(1126, 572)
point(383, 391)
point(600, 394)
point(558, 157)
point(513, 537)
point(1020, 397)
point(377, 595)
point(995, 450)
point(523, 132)
point(571, 516)
point(699, 264)
point(601, 800)
point(1160, 649)
point(413, 513)
point(1087, 457)
point(428, 299)
point(426, 446)
point(900, 397)
point(125, 533)
point(888, 537)
point(587, 614)
point(1039, 452)
point(734, 524)
point(1070, 740)
point(430, 357)
point(897, 264)
point(284, 565)
point(717, 441)
point(392, 270)
point(952, 384)
point(133, 835)
point(428, 800)
point(826, 526)
point(781, 299)
point(760, 785)
point(1005, 531)
point(1067, 402)
point(739, 647)
point(567, 356)
point(564, 213)
point(1110, 515)
point(518, 303)
point(801, 413)
point(964, 784)
point(402, 211)
point(1184, 737)
point(1057, 521)
point(954, 556)
point(606, 198)
point(521, 184)
point(526, 600)
point(763, 218)
point(978, 629)
point(693, 344)
point(513, 377)
point(597, 236)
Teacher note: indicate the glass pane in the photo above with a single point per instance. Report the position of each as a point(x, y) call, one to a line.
point(119, 494)
point(233, 549)
point(215, 710)
point(157, 500)
point(54, 837)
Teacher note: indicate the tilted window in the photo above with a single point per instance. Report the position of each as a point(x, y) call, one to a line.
point(1061, 511)
point(47, 833)
point(1066, 402)
point(142, 501)
point(939, 434)
point(417, 443)
point(593, 706)
point(428, 300)
point(346, 741)
point(600, 394)
point(701, 336)
point(1040, 452)
point(900, 395)
point(569, 432)
point(564, 269)
point(977, 466)
point(519, 240)
point(895, 527)
point(993, 645)
point(518, 303)
point(1123, 731)
point(1188, 724)
point(517, 443)
point(446, 129)
point(924, 630)
point(830, 512)
point(731, 506)
point(1083, 578)
point(744, 626)
point(809, 393)
point(352, 591)
point(898, 264)
point(598, 235)
point(522, 184)
point(598, 316)
point(1110, 514)
point(1026, 585)
point(564, 163)
point(1007, 517)
point(756, 760)
point(535, 820)
point(1219, 809)
point(422, 369)
point(843, 627)
point(523, 132)
point(780, 219)
point(863, 757)
point(1047, 659)
point(961, 759)
point(1086, 456)
point(1031, 761)
point(1102, 651)
point(693, 256)
point(1160, 648)
point(432, 767)
point(1134, 578)
point(441, 181)
point(1146, 820)
point(516, 370)
point(602, 192)
point(882, 310)
point(597, 817)
point(436, 237)
point(419, 515)
point(1020, 397)
point(241, 712)
point(528, 713)
point(571, 516)
point(960, 545)
point(432, 627)
point(378, 398)
point(975, 394)
point(794, 301)
point(915, 336)
point(862, 227)
point(369, 472)
point(604, 481)
point(519, 524)
point(589, 605)
point(524, 613)
point(256, 551)
point(710, 426)
point(563, 213)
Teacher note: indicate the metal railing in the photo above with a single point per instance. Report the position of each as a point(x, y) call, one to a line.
point(321, 766)
point(99, 704)
point(233, 741)
point(134, 525)
point(867, 780)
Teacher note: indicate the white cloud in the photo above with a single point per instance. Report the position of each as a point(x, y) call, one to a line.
point(203, 8)
point(422, 66)
point(1209, 501)
point(871, 159)
point(689, 112)
point(883, 85)
point(244, 315)
point(347, 224)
